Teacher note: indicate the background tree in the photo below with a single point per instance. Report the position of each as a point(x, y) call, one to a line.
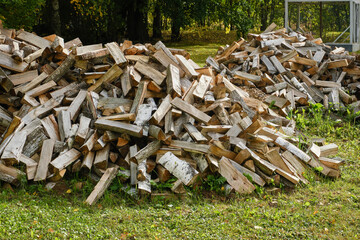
point(96, 21)
point(137, 22)
point(178, 11)
point(21, 13)
point(157, 19)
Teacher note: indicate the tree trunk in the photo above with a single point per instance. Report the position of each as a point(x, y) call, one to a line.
point(231, 23)
point(157, 22)
point(175, 32)
point(264, 16)
point(272, 11)
point(137, 28)
point(55, 20)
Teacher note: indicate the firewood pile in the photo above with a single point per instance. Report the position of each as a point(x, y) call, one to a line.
point(292, 69)
point(147, 114)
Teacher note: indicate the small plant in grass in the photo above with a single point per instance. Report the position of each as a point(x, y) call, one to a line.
point(162, 186)
point(324, 123)
point(272, 105)
point(259, 190)
point(248, 177)
point(214, 183)
point(116, 185)
point(312, 175)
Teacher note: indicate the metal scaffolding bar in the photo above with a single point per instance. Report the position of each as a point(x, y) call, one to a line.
point(354, 28)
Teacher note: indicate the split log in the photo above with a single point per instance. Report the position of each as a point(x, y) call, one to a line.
point(173, 81)
point(164, 107)
point(64, 121)
point(88, 161)
point(31, 166)
point(186, 66)
point(146, 152)
point(14, 148)
point(191, 110)
point(102, 185)
point(33, 39)
point(41, 89)
point(293, 149)
point(157, 132)
point(64, 160)
point(111, 75)
point(58, 44)
point(74, 107)
point(139, 97)
point(25, 77)
point(255, 177)
point(190, 147)
point(82, 130)
point(34, 140)
point(236, 179)
point(45, 159)
point(202, 87)
point(10, 174)
point(180, 169)
point(116, 53)
point(119, 127)
point(32, 84)
point(150, 72)
point(89, 143)
point(144, 184)
point(194, 133)
point(61, 70)
point(274, 157)
point(51, 127)
point(8, 62)
point(101, 158)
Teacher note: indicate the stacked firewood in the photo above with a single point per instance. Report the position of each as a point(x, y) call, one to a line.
point(147, 113)
point(294, 69)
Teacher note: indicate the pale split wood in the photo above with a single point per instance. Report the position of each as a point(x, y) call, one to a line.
point(180, 169)
point(191, 110)
point(64, 160)
point(236, 179)
point(45, 159)
point(75, 105)
point(102, 185)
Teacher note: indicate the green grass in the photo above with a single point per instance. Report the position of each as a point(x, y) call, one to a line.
point(198, 53)
point(324, 209)
point(201, 43)
point(331, 36)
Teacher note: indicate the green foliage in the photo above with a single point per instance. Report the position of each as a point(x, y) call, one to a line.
point(107, 20)
point(163, 186)
point(237, 15)
point(319, 169)
point(103, 19)
point(272, 105)
point(248, 177)
point(259, 190)
point(322, 122)
point(20, 14)
point(214, 183)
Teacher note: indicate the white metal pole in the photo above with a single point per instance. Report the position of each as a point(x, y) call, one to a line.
point(351, 21)
point(287, 14)
point(357, 22)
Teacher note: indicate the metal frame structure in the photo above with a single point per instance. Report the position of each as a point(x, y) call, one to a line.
point(354, 28)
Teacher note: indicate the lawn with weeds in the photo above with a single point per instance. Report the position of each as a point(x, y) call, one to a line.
point(323, 209)
point(201, 43)
point(199, 52)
